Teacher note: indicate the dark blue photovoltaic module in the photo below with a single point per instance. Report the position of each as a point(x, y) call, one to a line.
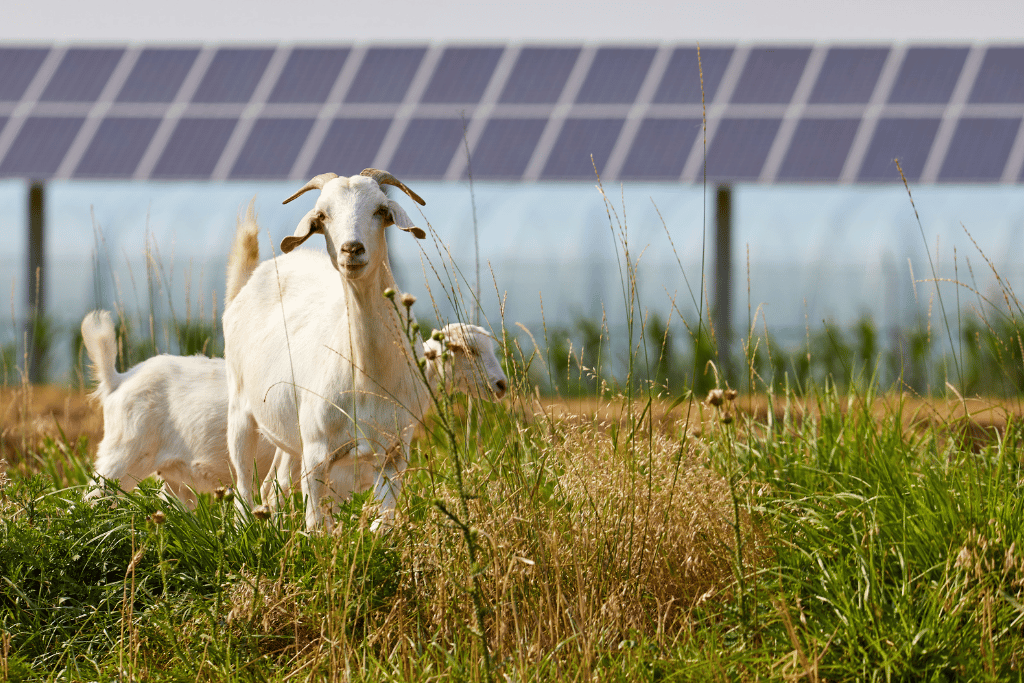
point(773, 113)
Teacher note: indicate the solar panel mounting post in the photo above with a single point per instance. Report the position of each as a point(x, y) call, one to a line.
point(722, 309)
point(36, 312)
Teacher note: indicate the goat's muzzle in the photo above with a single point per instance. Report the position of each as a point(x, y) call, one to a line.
point(353, 248)
point(499, 388)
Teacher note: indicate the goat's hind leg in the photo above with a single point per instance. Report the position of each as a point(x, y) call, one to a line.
point(281, 478)
point(315, 470)
point(125, 464)
point(388, 486)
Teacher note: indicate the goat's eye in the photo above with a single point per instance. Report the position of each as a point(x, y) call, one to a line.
point(382, 213)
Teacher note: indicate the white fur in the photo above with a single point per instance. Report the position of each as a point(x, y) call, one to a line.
point(166, 416)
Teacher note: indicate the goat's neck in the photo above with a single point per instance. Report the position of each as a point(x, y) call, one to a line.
point(379, 337)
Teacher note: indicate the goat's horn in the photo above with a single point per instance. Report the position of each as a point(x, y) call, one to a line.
point(317, 183)
point(385, 178)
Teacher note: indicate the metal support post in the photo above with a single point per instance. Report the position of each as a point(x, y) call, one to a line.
point(722, 304)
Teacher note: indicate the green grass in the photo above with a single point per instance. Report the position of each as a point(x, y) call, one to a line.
point(648, 540)
point(844, 546)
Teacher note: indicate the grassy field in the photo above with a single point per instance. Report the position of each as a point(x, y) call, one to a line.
point(821, 538)
point(639, 532)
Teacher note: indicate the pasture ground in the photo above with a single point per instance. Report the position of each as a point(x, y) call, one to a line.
point(777, 538)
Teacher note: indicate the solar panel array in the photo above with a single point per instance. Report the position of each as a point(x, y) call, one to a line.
point(782, 113)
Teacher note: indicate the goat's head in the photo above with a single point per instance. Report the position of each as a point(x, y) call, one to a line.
point(470, 364)
point(352, 213)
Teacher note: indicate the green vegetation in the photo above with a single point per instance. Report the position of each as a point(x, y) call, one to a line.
point(834, 540)
point(664, 530)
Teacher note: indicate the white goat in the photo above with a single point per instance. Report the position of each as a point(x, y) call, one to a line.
point(166, 416)
point(318, 360)
point(461, 360)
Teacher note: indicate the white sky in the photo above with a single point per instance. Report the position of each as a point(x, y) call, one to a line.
point(525, 20)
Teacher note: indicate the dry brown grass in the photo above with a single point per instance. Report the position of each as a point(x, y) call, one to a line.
point(600, 540)
point(31, 414)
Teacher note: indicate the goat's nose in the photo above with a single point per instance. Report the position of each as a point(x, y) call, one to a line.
point(353, 248)
point(502, 387)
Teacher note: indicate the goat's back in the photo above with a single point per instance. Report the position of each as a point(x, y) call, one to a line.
point(179, 402)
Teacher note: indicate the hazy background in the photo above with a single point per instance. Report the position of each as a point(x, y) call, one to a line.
point(804, 254)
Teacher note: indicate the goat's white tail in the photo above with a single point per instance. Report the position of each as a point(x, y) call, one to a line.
point(245, 253)
point(101, 344)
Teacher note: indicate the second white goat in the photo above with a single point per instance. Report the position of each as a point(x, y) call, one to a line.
point(166, 416)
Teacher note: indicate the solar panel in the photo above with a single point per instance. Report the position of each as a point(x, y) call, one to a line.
point(818, 149)
point(117, 147)
point(740, 147)
point(539, 75)
point(349, 146)
point(271, 149)
point(848, 75)
point(81, 75)
point(681, 83)
point(232, 75)
point(157, 75)
point(309, 74)
point(1001, 77)
point(427, 147)
point(979, 149)
point(522, 134)
point(385, 74)
point(194, 148)
point(40, 146)
point(18, 65)
point(909, 140)
point(660, 149)
point(577, 141)
point(770, 75)
point(462, 75)
point(928, 75)
point(615, 75)
point(505, 148)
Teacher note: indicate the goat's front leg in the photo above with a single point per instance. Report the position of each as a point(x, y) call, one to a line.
point(388, 486)
point(242, 440)
point(315, 468)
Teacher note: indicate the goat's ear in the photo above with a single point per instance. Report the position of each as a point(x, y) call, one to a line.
point(310, 223)
point(402, 220)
